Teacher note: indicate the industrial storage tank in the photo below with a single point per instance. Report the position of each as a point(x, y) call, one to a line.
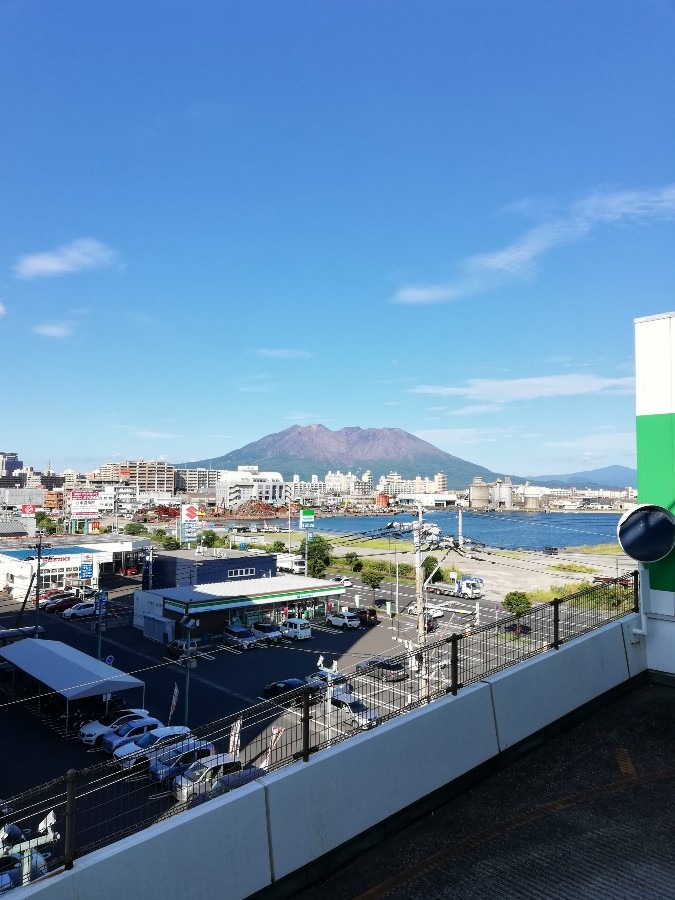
point(531, 498)
point(501, 495)
point(479, 494)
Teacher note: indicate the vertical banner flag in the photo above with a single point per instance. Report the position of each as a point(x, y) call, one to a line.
point(174, 701)
point(276, 737)
point(235, 738)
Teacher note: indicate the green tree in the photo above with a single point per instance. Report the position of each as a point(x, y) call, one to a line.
point(135, 528)
point(171, 544)
point(278, 547)
point(372, 578)
point(318, 555)
point(160, 534)
point(516, 603)
point(429, 563)
point(351, 559)
point(209, 538)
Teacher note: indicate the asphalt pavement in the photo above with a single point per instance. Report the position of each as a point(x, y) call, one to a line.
point(588, 814)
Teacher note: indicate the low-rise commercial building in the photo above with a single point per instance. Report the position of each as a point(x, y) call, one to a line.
point(158, 613)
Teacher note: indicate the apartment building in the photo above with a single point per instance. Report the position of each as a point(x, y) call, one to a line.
point(247, 483)
point(146, 476)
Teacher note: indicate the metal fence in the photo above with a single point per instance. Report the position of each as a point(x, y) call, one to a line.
point(99, 805)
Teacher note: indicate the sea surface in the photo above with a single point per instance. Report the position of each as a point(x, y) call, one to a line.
point(507, 530)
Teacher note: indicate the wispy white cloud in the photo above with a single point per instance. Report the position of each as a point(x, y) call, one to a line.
point(487, 271)
point(478, 409)
point(78, 256)
point(54, 329)
point(3, 310)
point(282, 353)
point(493, 391)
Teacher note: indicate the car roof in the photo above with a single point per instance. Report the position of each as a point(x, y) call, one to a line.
point(241, 777)
point(144, 720)
point(172, 729)
point(217, 759)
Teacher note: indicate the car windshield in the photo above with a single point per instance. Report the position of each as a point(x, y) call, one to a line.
point(265, 626)
point(147, 739)
point(195, 771)
point(170, 756)
point(125, 729)
point(358, 707)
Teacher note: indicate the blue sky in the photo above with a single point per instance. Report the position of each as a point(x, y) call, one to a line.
point(222, 219)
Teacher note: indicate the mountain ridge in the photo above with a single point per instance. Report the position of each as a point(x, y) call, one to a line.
point(307, 450)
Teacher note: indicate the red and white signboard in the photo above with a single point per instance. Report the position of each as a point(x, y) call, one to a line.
point(28, 509)
point(84, 504)
point(189, 513)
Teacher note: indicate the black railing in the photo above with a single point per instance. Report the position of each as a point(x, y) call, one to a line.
point(99, 805)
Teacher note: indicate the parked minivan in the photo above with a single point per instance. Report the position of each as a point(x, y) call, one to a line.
point(297, 629)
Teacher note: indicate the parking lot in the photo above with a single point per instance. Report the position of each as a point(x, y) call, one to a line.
point(225, 680)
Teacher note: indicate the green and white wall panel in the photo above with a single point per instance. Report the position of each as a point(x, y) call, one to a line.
point(655, 431)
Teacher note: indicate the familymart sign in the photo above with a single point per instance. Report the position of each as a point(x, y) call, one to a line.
point(306, 518)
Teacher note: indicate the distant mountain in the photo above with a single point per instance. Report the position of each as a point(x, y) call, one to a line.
point(610, 477)
point(314, 450)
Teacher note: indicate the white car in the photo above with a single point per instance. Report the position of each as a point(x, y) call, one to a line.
point(140, 753)
point(343, 580)
point(266, 632)
point(343, 620)
point(80, 610)
point(92, 733)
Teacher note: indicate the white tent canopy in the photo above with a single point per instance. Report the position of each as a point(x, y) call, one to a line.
point(67, 671)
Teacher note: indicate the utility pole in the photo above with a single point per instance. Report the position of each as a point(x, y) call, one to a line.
point(39, 549)
point(417, 535)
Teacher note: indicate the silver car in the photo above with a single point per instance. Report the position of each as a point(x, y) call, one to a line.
point(238, 636)
point(128, 733)
point(202, 776)
point(92, 733)
point(266, 632)
point(139, 753)
point(353, 710)
point(178, 758)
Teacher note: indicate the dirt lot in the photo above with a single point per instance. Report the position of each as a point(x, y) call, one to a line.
point(528, 570)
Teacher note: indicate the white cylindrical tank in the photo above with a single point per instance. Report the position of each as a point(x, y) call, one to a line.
point(531, 498)
point(501, 495)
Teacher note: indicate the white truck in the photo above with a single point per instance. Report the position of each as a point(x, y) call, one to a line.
point(464, 586)
point(289, 562)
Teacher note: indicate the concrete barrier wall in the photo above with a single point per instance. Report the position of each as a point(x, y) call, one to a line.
point(348, 789)
point(215, 850)
point(239, 843)
point(545, 688)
